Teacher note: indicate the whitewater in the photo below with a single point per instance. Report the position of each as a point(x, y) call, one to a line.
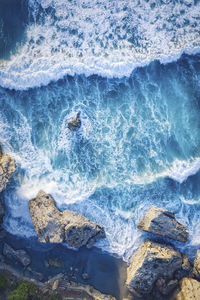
point(132, 68)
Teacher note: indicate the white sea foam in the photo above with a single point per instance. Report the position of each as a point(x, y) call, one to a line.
point(181, 170)
point(108, 38)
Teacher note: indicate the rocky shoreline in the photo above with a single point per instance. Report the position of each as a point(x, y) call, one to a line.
point(157, 270)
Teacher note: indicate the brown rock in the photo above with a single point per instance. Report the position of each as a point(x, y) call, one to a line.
point(196, 269)
point(162, 222)
point(190, 289)
point(151, 262)
point(54, 226)
point(7, 168)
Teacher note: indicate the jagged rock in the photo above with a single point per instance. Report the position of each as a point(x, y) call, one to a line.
point(196, 268)
point(54, 226)
point(190, 289)
point(151, 262)
point(162, 222)
point(19, 255)
point(75, 124)
point(7, 168)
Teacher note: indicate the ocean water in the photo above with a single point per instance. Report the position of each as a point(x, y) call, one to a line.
point(132, 68)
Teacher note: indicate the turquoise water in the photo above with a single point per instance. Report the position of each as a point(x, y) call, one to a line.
point(139, 144)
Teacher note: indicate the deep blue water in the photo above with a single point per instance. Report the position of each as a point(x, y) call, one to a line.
point(135, 78)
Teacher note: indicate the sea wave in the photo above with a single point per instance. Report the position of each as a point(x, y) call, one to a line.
point(110, 39)
point(178, 170)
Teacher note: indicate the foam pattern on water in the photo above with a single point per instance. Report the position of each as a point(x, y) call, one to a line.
point(138, 146)
point(108, 38)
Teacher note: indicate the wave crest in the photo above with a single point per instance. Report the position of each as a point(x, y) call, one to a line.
point(107, 38)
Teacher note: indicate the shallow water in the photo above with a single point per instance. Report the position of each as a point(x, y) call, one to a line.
point(139, 141)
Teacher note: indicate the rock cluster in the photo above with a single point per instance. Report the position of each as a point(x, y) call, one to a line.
point(54, 226)
point(75, 290)
point(162, 222)
point(158, 269)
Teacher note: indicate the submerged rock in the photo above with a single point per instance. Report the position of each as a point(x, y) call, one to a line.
point(75, 124)
point(7, 168)
point(54, 226)
point(190, 289)
point(19, 255)
point(162, 222)
point(151, 262)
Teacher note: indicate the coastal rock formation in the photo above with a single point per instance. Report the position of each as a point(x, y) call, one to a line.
point(162, 222)
point(19, 255)
point(75, 290)
point(196, 269)
point(54, 226)
point(75, 124)
point(190, 289)
point(151, 262)
point(7, 168)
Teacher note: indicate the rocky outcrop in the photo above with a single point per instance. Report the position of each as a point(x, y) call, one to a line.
point(75, 290)
point(151, 262)
point(19, 255)
point(7, 168)
point(54, 226)
point(75, 124)
point(190, 289)
point(196, 268)
point(162, 222)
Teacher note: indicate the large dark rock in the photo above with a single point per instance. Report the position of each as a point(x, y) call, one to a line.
point(19, 255)
point(162, 222)
point(75, 124)
point(190, 289)
point(54, 226)
point(151, 262)
point(7, 168)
